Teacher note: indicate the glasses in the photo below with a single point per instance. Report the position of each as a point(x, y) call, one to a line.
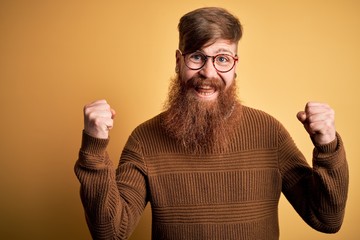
point(222, 62)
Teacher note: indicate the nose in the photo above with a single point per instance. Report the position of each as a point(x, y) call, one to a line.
point(208, 70)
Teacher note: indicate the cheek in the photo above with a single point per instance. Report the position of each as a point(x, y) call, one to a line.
point(229, 79)
point(186, 74)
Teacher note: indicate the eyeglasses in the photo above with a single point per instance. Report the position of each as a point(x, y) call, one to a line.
point(222, 62)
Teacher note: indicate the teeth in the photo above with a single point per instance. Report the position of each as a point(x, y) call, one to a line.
point(206, 93)
point(205, 87)
point(205, 90)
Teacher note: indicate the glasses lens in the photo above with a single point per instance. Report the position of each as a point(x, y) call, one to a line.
point(224, 62)
point(195, 60)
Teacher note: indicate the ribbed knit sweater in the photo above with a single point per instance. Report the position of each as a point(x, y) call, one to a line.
point(223, 195)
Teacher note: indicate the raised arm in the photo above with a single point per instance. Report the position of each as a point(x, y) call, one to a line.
point(113, 202)
point(317, 193)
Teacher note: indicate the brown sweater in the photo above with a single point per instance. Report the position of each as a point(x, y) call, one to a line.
point(215, 195)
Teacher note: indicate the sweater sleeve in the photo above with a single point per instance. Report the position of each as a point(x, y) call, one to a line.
point(113, 200)
point(317, 193)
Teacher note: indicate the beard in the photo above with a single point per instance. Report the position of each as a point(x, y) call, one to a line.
point(201, 125)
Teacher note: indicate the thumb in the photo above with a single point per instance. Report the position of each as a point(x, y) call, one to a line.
point(113, 113)
point(301, 116)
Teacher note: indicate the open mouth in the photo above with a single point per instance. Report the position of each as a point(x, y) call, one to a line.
point(206, 91)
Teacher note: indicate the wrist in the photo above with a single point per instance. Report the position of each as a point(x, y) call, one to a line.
point(93, 145)
point(327, 146)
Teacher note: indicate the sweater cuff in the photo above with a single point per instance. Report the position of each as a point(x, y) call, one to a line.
point(329, 155)
point(93, 146)
point(328, 148)
point(93, 153)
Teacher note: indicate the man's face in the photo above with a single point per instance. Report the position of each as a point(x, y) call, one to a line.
point(202, 108)
point(207, 92)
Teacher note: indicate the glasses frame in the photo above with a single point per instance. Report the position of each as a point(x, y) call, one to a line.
point(213, 60)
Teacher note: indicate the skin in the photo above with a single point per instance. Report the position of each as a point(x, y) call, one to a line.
point(98, 119)
point(208, 71)
point(319, 121)
point(317, 118)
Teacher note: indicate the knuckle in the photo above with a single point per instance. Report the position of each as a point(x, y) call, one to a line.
point(86, 108)
point(97, 122)
point(87, 111)
point(329, 124)
point(92, 116)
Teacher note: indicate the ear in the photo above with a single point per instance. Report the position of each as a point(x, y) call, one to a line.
point(178, 57)
point(236, 63)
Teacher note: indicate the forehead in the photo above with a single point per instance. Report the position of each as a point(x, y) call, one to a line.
point(220, 46)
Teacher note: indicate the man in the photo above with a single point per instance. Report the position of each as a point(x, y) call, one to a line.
point(210, 167)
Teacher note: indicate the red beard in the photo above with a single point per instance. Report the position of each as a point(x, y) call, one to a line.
point(201, 125)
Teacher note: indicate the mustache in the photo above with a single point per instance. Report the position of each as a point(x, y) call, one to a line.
point(197, 82)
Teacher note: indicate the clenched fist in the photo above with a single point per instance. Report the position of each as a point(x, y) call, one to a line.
point(98, 119)
point(319, 121)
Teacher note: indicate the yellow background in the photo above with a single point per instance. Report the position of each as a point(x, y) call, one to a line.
point(55, 56)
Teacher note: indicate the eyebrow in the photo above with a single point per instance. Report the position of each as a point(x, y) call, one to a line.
point(223, 50)
point(220, 50)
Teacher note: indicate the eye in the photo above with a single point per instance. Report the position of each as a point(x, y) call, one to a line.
point(196, 57)
point(222, 59)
